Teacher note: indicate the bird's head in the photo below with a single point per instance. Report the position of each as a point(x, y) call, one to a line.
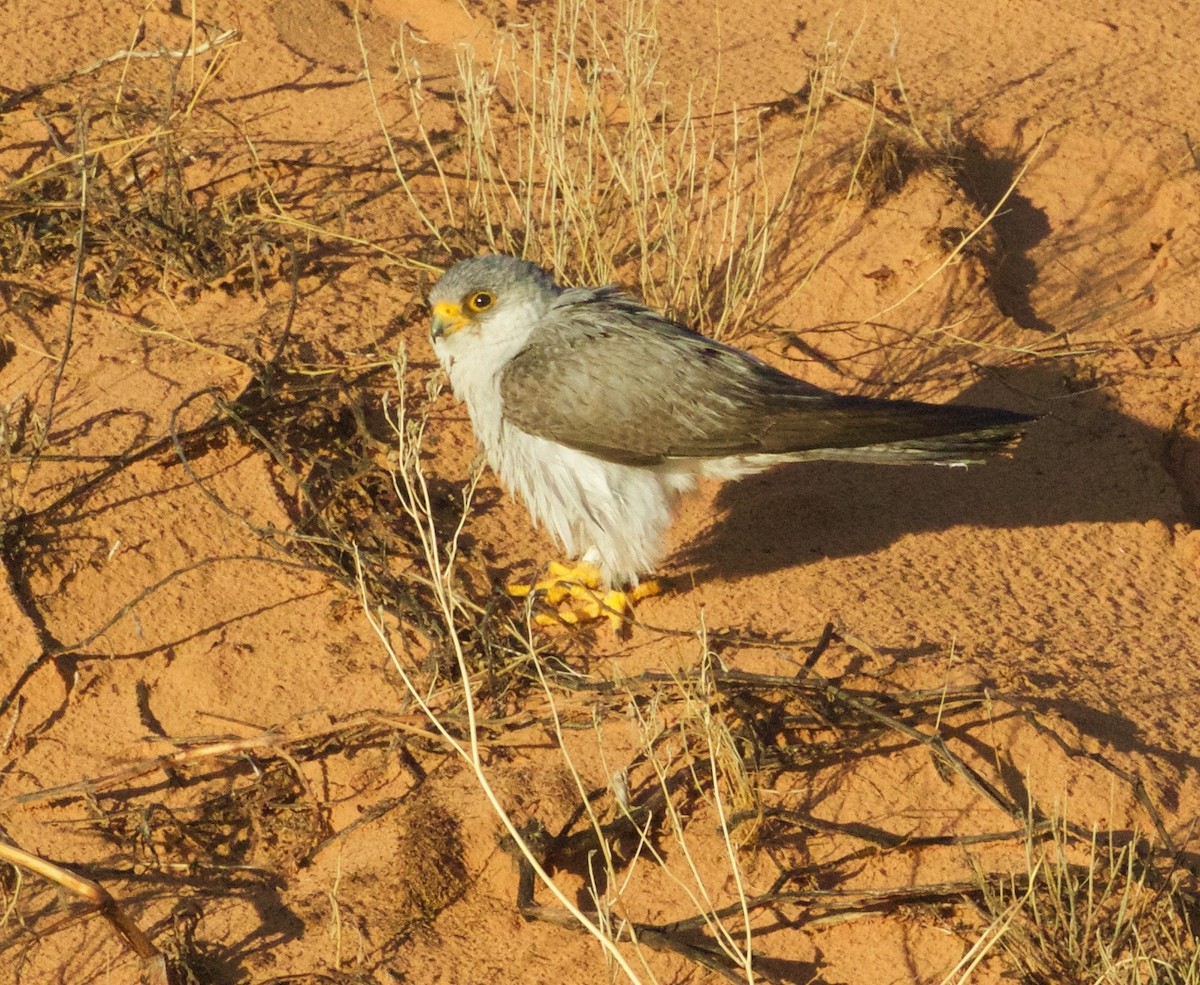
point(489, 299)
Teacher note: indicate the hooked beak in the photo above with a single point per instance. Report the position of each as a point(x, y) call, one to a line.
point(448, 318)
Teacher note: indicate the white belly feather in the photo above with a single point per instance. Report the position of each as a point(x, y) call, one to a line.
point(614, 516)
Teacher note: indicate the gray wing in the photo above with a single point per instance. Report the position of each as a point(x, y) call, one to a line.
point(607, 376)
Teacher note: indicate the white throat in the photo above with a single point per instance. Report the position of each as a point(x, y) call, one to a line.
point(475, 357)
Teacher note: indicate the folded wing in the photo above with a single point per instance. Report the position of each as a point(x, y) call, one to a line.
point(605, 375)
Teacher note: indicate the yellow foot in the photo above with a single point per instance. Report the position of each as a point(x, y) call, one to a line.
point(579, 596)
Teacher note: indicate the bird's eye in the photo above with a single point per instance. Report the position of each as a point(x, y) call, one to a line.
point(480, 301)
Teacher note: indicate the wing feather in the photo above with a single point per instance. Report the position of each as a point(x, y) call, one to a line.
point(607, 376)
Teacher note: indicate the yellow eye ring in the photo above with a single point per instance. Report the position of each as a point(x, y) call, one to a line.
point(480, 301)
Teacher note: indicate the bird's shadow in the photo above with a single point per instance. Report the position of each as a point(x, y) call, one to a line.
point(1082, 461)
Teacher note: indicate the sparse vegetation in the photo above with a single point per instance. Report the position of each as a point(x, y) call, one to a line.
point(711, 834)
point(126, 168)
point(575, 153)
point(1111, 911)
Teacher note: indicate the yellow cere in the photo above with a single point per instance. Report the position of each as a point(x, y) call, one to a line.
point(448, 318)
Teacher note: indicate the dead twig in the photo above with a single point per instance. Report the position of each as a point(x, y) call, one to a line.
point(32, 92)
point(155, 968)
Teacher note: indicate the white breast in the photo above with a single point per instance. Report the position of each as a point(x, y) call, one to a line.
point(614, 516)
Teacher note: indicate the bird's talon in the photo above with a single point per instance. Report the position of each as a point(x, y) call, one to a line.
point(576, 596)
point(561, 583)
point(644, 590)
point(547, 621)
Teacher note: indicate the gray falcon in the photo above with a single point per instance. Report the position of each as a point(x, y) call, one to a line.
point(601, 413)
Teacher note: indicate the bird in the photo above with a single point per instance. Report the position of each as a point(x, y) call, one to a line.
point(600, 414)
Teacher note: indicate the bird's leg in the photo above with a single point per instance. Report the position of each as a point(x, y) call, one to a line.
point(580, 596)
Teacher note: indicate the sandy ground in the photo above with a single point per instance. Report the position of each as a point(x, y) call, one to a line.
point(159, 598)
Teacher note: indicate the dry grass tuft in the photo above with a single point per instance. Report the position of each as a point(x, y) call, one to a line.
point(577, 154)
point(129, 174)
point(890, 158)
point(432, 873)
point(1112, 911)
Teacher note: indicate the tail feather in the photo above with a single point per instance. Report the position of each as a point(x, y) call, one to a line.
point(962, 449)
point(828, 422)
